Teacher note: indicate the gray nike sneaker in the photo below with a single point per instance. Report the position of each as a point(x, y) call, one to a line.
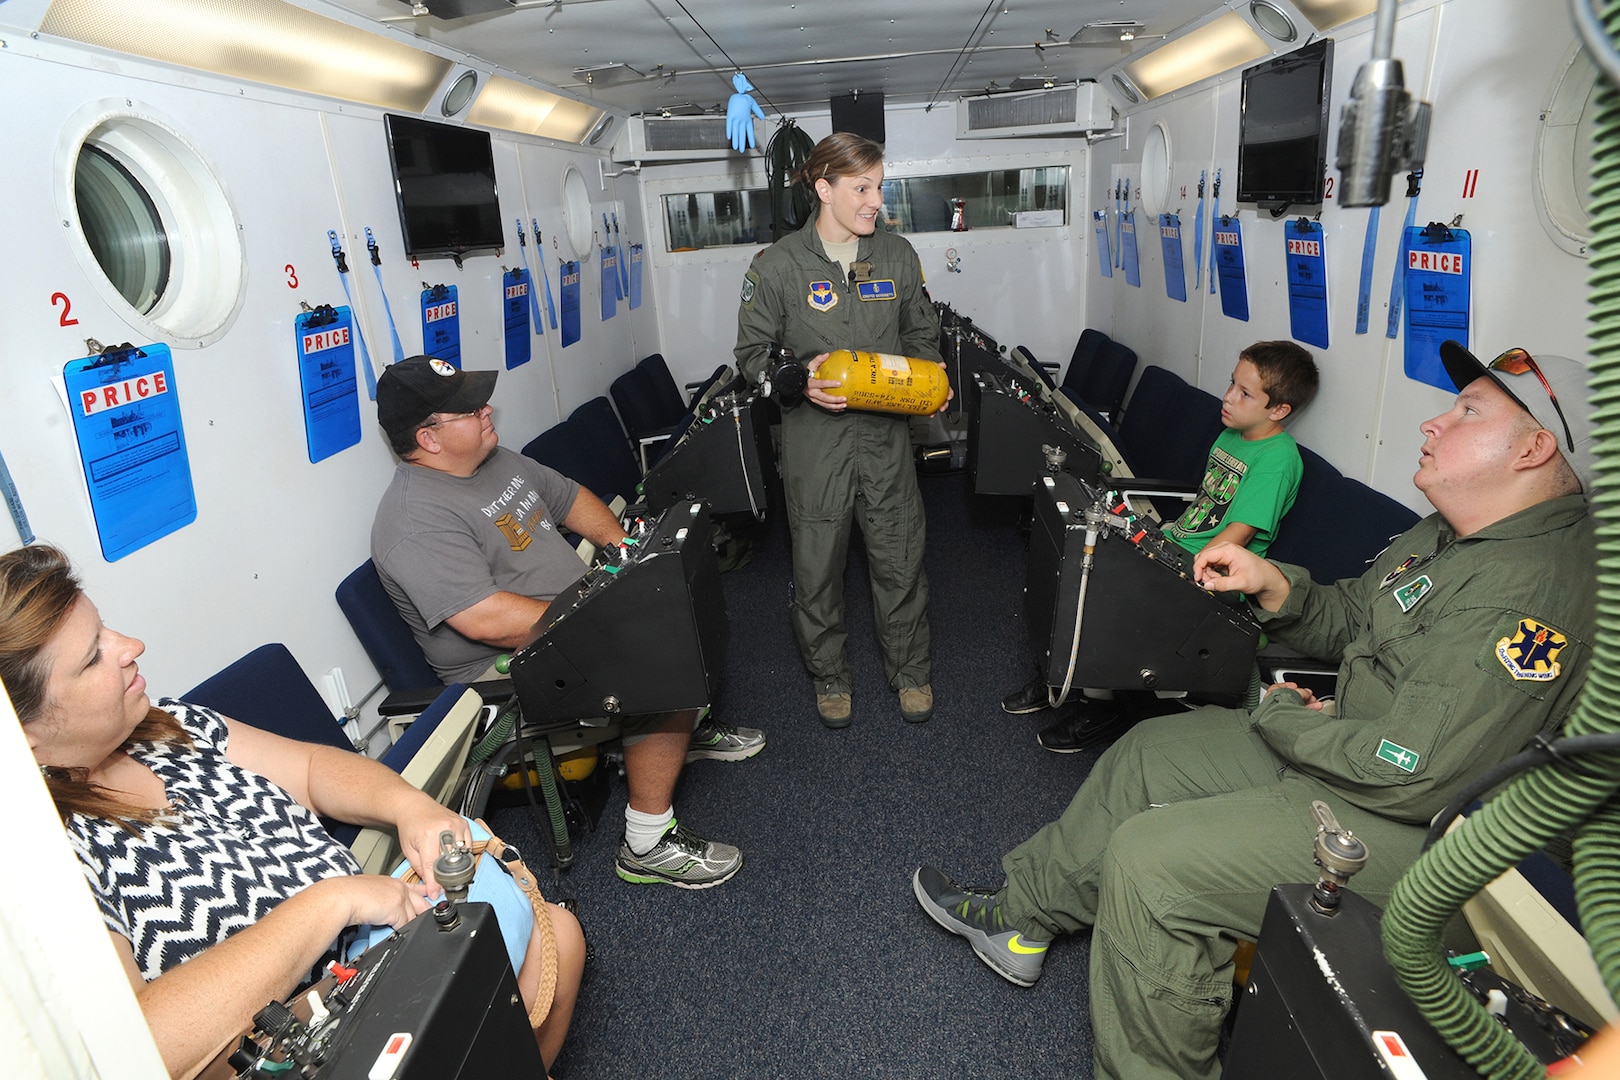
point(680, 858)
point(976, 915)
point(719, 741)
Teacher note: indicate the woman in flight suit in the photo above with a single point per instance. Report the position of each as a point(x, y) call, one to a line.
point(840, 282)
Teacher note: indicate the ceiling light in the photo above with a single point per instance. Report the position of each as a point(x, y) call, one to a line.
point(1326, 14)
point(1273, 20)
point(1221, 45)
point(515, 106)
point(263, 41)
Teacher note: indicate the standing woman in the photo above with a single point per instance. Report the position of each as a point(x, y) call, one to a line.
point(841, 283)
point(198, 834)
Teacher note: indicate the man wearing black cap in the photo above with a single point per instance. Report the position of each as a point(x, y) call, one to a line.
point(1468, 637)
point(466, 541)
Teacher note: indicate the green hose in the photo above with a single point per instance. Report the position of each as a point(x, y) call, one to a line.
point(1550, 799)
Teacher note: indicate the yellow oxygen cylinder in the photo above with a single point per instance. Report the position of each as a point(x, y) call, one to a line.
point(883, 382)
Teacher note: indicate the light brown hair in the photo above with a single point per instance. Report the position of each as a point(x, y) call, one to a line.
point(37, 591)
point(843, 153)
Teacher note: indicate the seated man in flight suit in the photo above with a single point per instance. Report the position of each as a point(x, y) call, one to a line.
point(466, 541)
point(1468, 636)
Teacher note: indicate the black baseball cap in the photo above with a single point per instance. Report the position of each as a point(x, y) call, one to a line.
point(415, 388)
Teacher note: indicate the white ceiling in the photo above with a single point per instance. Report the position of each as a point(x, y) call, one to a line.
point(679, 55)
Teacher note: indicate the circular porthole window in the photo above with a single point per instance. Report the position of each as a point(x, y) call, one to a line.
point(577, 212)
point(150, 223)
point(1563, 160)
point(1156, 170)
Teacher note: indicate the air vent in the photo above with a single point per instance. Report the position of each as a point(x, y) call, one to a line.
point(675, 138)
point(1063, 110)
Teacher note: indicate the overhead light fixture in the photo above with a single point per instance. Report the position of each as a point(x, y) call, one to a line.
point(515, 106)
point(1273, 20)
point(262, 41)
point(1220, 45)
point(1126, 90)
point(1326, 14)
point(462, 88)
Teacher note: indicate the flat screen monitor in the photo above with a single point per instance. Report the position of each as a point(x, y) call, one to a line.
point(444, 179)
point(1282, 144)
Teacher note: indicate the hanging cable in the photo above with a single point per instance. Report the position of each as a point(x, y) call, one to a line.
point(734, 65)
point(951, 71)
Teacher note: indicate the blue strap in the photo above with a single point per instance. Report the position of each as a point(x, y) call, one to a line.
point(545, 275)
point(1198, 236)
point(534, 299)
point(1397, 286)
point(388, 310)
point(361, 353)
point(624, 263)
point(1214, 216)
point(19, 516)
point(1369, 249)
point(1119, 222)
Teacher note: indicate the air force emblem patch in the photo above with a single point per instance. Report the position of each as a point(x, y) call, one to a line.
point(1531, 652)
point(823, 297)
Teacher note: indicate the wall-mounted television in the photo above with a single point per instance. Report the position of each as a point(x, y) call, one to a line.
point(444, 179)
point(1282, 143)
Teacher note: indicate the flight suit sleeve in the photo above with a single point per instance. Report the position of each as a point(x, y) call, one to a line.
point(1317, 620)
point(759, 324)
point(1461, 702)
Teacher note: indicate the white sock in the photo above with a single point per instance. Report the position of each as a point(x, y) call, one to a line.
point(641, 831)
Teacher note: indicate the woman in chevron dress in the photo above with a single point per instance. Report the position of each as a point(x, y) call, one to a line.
point(199, 834)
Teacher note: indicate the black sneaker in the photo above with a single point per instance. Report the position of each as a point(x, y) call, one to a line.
point(1086, 729)
point(1031, 697)
point(976, 915)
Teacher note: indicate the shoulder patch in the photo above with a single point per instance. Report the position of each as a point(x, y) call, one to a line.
point(748, 288)
point(1531, 651)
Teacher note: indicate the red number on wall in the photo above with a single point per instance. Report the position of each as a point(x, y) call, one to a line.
point(292, 276)
point(65, 319)
point(1327, 187)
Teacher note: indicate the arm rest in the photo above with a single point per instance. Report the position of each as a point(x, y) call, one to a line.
point(496, 692)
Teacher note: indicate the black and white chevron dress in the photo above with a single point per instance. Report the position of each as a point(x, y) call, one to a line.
point(235, 847)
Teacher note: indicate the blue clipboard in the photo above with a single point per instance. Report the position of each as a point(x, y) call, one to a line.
point(1226, 250)
point(1129, 261)
point(1175, 268)
point(324, 339)
point(441, 324)
point(568, 285)
point(635, 276)
point(1307, 282)
point(132, 443)
point(517, 293)
point(1439, 265)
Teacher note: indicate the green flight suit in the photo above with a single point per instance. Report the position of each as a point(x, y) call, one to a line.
point(841, 467)
point(1454, 654)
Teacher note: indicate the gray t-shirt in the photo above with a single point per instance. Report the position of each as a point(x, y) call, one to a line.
point(443, 543)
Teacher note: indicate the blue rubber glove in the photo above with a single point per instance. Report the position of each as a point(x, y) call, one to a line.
point(740, 113)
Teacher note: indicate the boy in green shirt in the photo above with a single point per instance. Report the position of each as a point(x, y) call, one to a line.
point(1250, 482)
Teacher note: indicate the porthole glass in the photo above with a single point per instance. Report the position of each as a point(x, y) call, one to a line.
point(122, 227)
point(1563, 156)
point(1156, 170)
point(151, 224)
point(577, 212)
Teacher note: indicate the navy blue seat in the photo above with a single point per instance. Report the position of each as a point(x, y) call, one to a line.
point(1108, 376)
point(670, 401)
point(612, 468)
point(1337, 525)
point(1168, 427)
point(1085, 351)
point(387, 639)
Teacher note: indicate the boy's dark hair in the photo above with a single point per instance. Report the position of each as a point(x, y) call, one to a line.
point(1287, 373)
